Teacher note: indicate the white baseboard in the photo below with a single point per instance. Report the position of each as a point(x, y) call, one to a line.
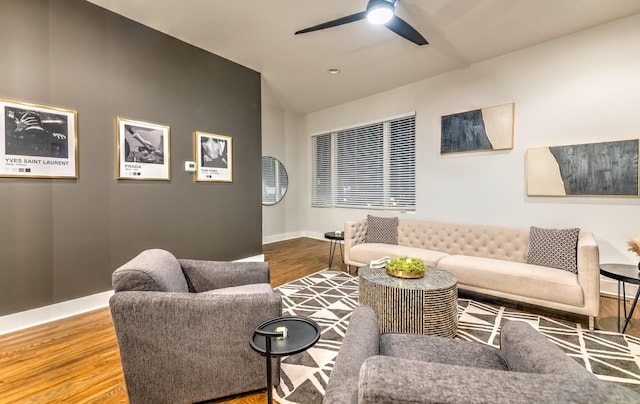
point(610, 287)
point(41, 315)
point(289, 236)
point(255, 258)
point(316, 235)
point(274, 238)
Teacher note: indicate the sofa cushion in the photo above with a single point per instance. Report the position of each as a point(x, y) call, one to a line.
point(151, 270)
point(555, 248)
point(366, 252)
point(430, 348)
point(382, 230)
point(543, 283)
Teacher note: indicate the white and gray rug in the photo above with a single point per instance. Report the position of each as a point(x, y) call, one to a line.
point(330, 296)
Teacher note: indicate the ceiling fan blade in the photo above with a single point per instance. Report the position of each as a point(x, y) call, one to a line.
point(335, 23)
point(400, 27)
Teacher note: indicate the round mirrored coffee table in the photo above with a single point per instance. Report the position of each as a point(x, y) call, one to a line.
point(427, 305)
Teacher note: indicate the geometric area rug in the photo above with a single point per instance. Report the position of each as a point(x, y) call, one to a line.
point(329, 297)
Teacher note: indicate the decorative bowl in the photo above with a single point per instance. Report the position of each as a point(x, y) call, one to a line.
point(406, 267)
point(405, 274)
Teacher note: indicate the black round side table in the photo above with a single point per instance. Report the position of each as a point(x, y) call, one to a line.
point(301, 334)
point(334, 238)
point(623, 273)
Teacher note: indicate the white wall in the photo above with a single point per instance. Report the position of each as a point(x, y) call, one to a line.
point(577, 89)
point(281, 138)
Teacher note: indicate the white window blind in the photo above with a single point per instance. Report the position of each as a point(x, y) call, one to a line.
point(401, 191)
point(360, 167)
point(370, 166)
point(321, 159)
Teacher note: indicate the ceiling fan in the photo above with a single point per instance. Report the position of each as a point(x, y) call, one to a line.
point(377, 12)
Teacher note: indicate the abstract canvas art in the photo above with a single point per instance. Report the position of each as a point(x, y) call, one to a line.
point(594, 169)
point(478, 130)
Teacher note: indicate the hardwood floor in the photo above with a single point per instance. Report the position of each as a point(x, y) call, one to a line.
point(76, 360)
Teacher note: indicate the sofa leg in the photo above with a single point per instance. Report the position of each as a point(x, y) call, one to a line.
point(592, 323)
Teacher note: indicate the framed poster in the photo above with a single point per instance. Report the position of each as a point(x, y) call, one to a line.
point(143, 150)
point(214, 156)
point(482, 129)
point(592, 169)
point(38, 141)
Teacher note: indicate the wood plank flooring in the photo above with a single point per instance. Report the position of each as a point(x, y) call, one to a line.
point(76, 360)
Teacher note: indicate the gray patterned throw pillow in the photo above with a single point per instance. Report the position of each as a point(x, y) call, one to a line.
point(382, 230)
point(556, 248)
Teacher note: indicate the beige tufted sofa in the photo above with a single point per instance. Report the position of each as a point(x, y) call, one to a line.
point(489, 260)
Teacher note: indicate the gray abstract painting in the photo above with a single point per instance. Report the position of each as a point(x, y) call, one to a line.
point(480, 129)
point(607, 169)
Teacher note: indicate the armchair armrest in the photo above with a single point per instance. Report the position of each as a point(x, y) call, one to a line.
point(208, 275)
point(386, 379)
point(526, 350)
point(361, 341)
point(184, 341)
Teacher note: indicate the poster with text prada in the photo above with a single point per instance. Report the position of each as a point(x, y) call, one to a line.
point(143, 150)
point(38, 141)
point(213, 157)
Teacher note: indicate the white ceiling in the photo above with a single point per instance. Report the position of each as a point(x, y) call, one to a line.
point(259, 34)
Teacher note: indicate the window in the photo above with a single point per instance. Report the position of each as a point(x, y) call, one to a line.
point(321, 156)
point(370, 166)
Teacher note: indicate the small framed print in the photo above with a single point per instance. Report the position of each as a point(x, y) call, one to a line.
point(143, 150)
point(213, 157)
point(38, 141)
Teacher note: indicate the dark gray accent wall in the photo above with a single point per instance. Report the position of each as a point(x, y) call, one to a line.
point(61, 239)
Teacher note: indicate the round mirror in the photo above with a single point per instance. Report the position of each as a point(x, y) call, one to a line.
point(274, 181)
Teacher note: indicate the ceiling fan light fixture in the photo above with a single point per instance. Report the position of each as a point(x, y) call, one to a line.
point(379, 12)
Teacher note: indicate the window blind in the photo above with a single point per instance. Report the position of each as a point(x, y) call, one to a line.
point(371, 166)
point(401, 192)
point(321, 181)
point(360, 167)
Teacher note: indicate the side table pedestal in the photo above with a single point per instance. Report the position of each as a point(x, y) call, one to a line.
point(302, 334)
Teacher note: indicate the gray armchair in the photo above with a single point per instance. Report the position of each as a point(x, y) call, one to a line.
point(183, 326)
point(405, 368)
